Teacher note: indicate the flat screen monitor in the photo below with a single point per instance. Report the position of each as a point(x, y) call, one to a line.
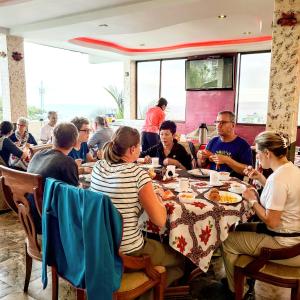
point(212, 73)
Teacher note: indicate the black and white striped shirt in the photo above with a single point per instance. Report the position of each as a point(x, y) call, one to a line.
point(122, 183)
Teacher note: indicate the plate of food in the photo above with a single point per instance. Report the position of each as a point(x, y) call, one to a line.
point(222, 197)
point(186, 196)
point(89, 164)
point(201, 184)
point(202, 173)
point(168, 195)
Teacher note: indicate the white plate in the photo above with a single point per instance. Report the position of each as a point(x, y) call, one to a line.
point(201, 184)
point(196, 173)
point(149, 166)
point(234, 191)
point(235, 197)
point(171, 185)
point(89, 164)
point(179, 191)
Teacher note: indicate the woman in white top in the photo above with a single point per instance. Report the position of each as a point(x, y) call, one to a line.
point(278, 207)
point(130, 189)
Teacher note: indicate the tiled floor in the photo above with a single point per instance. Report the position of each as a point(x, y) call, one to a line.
point(12, 271)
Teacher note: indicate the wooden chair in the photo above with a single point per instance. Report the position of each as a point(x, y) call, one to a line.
point(139, 277)
point(37, 148)
point(264, 268)
point(15, 186)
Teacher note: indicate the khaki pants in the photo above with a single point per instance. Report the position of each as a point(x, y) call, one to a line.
point(163, 255)
point(249, 243)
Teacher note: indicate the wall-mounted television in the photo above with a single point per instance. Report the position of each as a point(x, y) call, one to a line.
point(209, 73)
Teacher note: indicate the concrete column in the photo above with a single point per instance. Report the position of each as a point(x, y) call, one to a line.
point(12, 76)
point(130, 90)
point(285, 72)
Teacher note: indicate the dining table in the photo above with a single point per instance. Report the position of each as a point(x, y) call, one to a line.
point(197, 227)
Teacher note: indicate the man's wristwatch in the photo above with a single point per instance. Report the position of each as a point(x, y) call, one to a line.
point(252, 202)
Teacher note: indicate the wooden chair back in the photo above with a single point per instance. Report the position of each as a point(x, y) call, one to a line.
point(37, 148)
point(16, 185)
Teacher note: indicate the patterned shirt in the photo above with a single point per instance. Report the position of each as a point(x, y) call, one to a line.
point(122, 183)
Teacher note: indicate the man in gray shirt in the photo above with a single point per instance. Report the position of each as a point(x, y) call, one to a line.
point(101, 135)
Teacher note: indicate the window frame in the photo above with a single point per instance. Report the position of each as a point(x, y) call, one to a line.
point(237, 90)
point(160, 60)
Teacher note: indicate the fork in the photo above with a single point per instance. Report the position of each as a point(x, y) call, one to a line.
point(201, 172)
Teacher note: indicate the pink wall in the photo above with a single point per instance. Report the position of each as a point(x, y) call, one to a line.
point(203, 106)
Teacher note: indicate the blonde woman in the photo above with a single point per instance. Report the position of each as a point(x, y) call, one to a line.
point(130, 189)
point(278, 207)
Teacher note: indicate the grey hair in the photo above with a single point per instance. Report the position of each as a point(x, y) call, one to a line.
point(23, 120)
point(229, 113)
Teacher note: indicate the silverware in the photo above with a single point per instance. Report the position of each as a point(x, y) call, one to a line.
point(201, 172)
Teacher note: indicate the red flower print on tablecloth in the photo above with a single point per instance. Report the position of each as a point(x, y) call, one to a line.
point(152, 227)
point(170, 208)
point(205, 234)
point(180, 243)
point(199, 204)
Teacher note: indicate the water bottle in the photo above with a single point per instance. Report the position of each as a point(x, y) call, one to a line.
point(203, 131)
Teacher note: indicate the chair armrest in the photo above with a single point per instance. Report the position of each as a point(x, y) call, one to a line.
point(267, 254)
point(140, 263)
point(281, 253)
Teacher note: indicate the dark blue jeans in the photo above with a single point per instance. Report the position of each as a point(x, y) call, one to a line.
point(149, 139)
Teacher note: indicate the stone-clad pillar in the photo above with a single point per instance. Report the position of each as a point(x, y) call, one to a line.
point(12, 76)
point(285, 71)
point(130, 89)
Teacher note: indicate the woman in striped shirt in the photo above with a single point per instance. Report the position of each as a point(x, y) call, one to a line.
point(130, 189)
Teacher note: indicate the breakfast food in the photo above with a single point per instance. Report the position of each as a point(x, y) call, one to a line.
point(214, 195)
point(201, 184)
point(227, 198)
point(186, 196)
point(168, 195)
point(151, 173)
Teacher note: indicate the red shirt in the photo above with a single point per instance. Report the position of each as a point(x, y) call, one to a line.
point(154, 117)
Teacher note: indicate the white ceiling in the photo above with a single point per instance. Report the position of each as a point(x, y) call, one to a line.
point(139, 24)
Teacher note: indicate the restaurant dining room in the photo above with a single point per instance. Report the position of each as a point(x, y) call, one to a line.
point(149, 149)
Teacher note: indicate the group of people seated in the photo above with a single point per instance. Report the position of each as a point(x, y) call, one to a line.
point(131, 190)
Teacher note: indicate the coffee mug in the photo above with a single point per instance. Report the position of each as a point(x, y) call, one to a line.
point(155, 161)
point(184, 185)
point(237, 188)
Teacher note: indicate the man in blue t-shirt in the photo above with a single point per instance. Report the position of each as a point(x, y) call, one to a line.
point(227, 151)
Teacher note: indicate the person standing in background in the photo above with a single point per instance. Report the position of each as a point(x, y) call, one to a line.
point(154, 118)
point(101, 135)
point(47, 129)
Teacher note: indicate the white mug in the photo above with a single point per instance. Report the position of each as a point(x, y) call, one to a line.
point(213, 177)
point(170, 172)
point(155, 161)
point(184, 185)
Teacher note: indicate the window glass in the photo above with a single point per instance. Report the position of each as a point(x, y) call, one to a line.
point(254, 87)
point(65, 81)
point(148, 77)
point(173, 88)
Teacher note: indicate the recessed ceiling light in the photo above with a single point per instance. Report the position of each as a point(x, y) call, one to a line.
point(247, 32)
point(222, 16)
point(103, 25)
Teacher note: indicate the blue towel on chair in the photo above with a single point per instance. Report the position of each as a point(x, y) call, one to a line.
point(82, 232)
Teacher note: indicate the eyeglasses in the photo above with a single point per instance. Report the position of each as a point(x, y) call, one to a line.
point(86, 130)
point(222, 122)
point(21, 125)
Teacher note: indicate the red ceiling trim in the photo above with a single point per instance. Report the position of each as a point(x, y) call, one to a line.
point(102, 43)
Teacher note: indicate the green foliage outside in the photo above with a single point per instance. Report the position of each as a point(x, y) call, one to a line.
point(118, 96)
point(35, 113)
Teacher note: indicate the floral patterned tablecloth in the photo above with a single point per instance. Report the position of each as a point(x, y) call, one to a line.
point(197, 227)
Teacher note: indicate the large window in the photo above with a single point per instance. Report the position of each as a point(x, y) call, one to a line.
point(66, 82)
point(165, 78)
point(253, 87)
